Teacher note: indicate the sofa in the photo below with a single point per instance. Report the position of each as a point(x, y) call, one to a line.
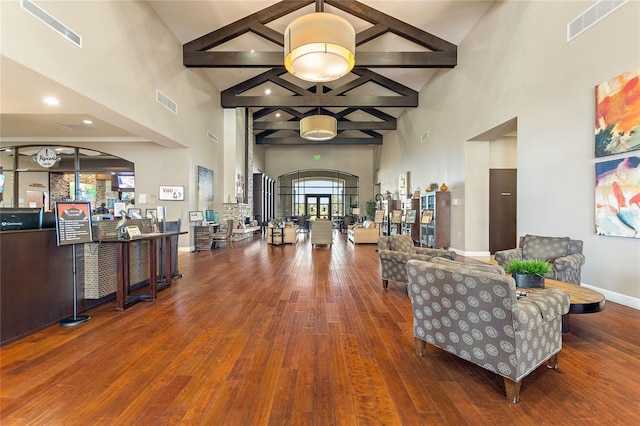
point(321, 232)
point(396, 250)
point(563, 253)
point(290, 234)
point(366, 232)
point(474, 312)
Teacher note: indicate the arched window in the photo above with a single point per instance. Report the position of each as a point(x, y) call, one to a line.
point(317, 193)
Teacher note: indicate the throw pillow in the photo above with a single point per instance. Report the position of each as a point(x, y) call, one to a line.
point(403, 243)
point(544, 248)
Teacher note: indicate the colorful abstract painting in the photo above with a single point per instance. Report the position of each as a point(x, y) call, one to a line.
point(618, 197)
point(617, 127)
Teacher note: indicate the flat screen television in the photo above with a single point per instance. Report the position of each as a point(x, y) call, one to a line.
point(20, 218)
point(123, 183)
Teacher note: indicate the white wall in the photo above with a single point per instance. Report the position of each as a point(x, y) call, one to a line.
point(516, 62)
point(356, 160)
point(127, 53)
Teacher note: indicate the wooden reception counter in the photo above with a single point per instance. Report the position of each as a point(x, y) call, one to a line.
point(36, 276)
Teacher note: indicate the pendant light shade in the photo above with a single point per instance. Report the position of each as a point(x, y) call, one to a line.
point(318, 127)
point(319, 47)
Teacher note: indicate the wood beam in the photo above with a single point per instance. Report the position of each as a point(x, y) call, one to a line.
point(342, 125)
point(335, 141)
point(228, 100)
point(242, 26)
point(208, 59)
point(395, 25)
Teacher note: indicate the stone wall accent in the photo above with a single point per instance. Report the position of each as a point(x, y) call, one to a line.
point(237, 211)
point(60, 185)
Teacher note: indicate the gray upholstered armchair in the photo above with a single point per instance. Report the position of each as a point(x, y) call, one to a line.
point(563, 253)
point(396, 250)
point(473, 312)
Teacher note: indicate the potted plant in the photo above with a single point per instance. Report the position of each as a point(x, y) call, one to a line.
point(370, 209)
point(277, 222)
point(528, 273)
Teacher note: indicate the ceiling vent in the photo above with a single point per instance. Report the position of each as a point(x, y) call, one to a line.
point(52, 22)
point(212, 136)
point(591, 16)
point(164, 100)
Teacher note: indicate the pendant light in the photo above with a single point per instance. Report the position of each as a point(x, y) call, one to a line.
point(319, 47)
point(318, 127)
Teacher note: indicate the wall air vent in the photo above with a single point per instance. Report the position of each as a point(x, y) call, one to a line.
point(212, 136)
point(164, 100)
point(591, 16)
point(58, 26)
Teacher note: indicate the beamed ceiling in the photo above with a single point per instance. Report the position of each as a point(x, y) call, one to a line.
point(364, 102)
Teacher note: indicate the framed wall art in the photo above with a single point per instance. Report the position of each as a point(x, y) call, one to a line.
point(617, 126)
point(618, 197)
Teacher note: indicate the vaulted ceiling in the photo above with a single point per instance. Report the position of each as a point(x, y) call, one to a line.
point(364, 102)
point(390, 69)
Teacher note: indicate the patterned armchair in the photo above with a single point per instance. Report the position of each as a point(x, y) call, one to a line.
point(474, 313)
point(396, 250)
point(563, 253)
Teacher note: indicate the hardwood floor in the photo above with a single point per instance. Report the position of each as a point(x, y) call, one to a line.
point(288, 334)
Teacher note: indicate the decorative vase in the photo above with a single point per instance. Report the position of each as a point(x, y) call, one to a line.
point(529, 281)
point(444, 187)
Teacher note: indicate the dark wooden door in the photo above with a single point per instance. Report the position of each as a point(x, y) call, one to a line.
point(503, 201)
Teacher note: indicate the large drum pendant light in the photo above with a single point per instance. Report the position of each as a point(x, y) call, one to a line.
point(319, 47)
point(318, 127)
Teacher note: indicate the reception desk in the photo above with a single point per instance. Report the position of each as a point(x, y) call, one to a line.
point(36, 277)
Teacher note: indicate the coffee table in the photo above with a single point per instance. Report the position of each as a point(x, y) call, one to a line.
point(582, 300)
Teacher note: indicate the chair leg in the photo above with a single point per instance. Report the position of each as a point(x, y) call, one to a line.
point(420, 346)
point(553, 361)
point(512, 390)
point(385, 284)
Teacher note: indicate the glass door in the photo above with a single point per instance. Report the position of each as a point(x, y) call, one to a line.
point(318, 206)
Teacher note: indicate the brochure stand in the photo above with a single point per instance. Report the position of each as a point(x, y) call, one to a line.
point(73, 226)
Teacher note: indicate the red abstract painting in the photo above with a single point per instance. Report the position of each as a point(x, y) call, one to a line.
point(617, 126)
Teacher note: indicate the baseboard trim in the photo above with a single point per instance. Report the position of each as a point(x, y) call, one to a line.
point(612, 296)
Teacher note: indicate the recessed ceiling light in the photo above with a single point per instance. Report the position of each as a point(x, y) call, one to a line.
point(87, 121)
point(50, 100)
point(267, 92)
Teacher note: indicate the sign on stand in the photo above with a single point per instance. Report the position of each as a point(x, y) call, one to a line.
point(73, 222)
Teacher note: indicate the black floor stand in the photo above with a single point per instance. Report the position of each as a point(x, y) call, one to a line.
point(75, 319)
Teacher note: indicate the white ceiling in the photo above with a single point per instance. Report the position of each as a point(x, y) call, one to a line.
point(25, 117)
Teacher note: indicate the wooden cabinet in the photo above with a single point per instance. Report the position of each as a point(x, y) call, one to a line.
point(202, 238)
point(411, 227)
point(435, 225)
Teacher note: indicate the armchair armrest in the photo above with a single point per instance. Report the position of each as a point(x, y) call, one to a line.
point(572, 261)
point(538, 307)
point(504, 256)
point(431, 252)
